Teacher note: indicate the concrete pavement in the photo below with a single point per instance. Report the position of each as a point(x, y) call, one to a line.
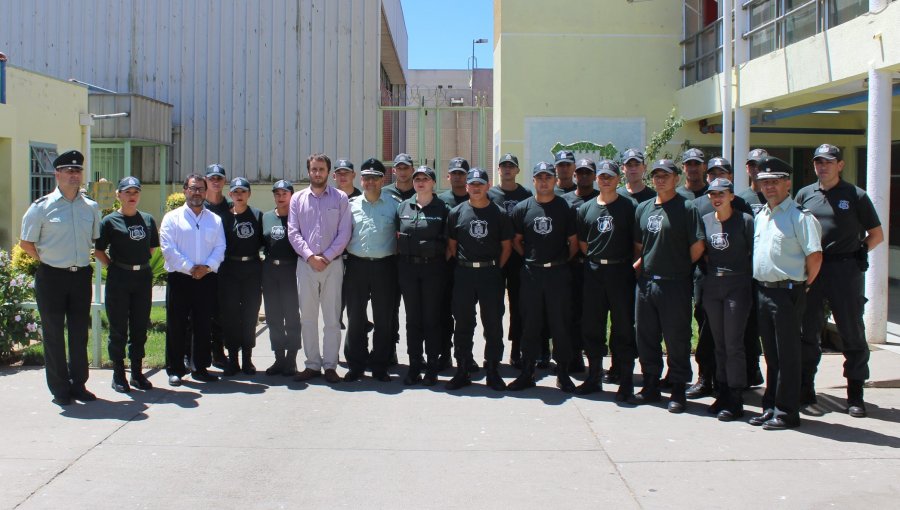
point(268, 442)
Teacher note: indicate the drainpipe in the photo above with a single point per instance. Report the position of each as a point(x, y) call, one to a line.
point(741, 114)
point(727, 33)
point(2, 78)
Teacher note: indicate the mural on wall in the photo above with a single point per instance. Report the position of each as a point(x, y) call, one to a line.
point(590, 137)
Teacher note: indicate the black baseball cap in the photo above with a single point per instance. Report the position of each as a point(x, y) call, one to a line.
point(283, 184)
point(70, 158)
point(458, 165)
point(543, 168)
point(343, 164)
point(564, 156)
point(509, 158)
point(607, 167)
point(476, 175)
point(693, 155)
point(372, 166)
point(425, 170)
point(239, 183)
point(828, 151)
point(215, 169)
point(720, 184)
point(587, 164)
point(403, 159)
point(630, 154)
point(128, 183)
point(666, 165)
point(756, 154)
point(718, 162)
point(771, 167)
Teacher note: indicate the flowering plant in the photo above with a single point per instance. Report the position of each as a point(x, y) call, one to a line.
point(18, 325)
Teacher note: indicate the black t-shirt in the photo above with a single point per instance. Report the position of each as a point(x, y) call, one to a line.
point(608, 229)
point(574, 200)
point(243, 233)
point(221, 209)
point(545, 229)
point(399, 196)
point(641, 196)
point(562, 191)
point(691, 195)
point(422, 230)
point(729, 245)
point(478, 231)
point(756, 200)
point(451, 199)
point(666, 232)
point(507, 200)
point(276, 244)
point(129, 238)
point(704, 206)
point(845, 213)
point(355, 193)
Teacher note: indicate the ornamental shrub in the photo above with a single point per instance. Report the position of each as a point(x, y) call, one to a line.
point(18, 326)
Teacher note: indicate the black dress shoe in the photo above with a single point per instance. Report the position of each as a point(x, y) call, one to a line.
point(220, 362)
point(782, 422)
point(701, 388)
point(120, 384)
point(460, 380)
point(62, 401)
point(523, 382)
point(413, 377)
point(729, 414)
point(430, 378)
point(624, 394)
point(248, 368)
point(276, 367)
point(140, 381)
point(203, 376)
point(611, 377)
point(381, 376)
point(645, 396)
point(174, 380)
point(307, 374)
point(82, 394)
point(857, 410)
point(767, 415)
point(675, 407)
point(353, 375)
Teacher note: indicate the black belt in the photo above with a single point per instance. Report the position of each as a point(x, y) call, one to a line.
point(548, 264)
point(235, 258)
point(578, 259)
point(726, 273)
point(605, 262)
point(476, 265)
point(281, 262)
point(71, 269)
point(131, 267)
point(783, 284)
point(421, 260)
point(368, 259)
point(659, 277)
point(837, 257)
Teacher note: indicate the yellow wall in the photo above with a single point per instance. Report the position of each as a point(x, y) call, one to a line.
point(579, 61)
point(38, 109)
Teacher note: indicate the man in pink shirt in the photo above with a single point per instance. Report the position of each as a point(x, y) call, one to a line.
point(319, 228)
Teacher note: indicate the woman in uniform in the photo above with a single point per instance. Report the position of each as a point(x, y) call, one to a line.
point(240, 278)
point(726, 294)
point(421, 233)
point(131, 237)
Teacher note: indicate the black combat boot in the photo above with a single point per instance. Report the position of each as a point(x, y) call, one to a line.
point(593, 383)
point(278, 366)
point(431, 372)
point(493, 379)
point(461, 379)
point(563, 381)
point(735, 407)
point(246, 363)
point(625, 393)
point(649, 393)
point(677, 401)
point(855, 405)
point(525, 379)
point(702, 388)
point(232, 367)
point(414, 374)
point(119, 381)
point(138, 380)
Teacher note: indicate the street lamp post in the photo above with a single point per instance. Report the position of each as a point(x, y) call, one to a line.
point(472, 87)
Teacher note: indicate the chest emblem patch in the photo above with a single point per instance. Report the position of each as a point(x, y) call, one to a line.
point(719, 241)
point(278, 232)
point(605, 224)
point(844, 204)
point(756, 208)
point(136, 232)
point(244, 230)
point(654, 223)
point(478, 229)
point(509, 205)
point(543, 225)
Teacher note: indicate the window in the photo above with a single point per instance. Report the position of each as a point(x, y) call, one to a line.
point(43, 178)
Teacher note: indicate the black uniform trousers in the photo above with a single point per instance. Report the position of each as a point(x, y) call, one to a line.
point(483, 285)
point(282, 304)
point(240, 296)
point(512, 272)
point(609, 289)
point(194, 299)
point(129, 296)
point(422, 286)
point(546, 289)
point(780, 317)
point(726, 300)
point(576, 267)
point(664, 313)
point(705, 354)
point(841, 283)
point(447, 325)
point(375, 280)
point(64, 301)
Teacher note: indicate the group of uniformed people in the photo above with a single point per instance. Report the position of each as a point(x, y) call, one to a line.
point(582, 249)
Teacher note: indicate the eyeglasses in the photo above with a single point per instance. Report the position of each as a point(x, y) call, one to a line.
point(195, 189)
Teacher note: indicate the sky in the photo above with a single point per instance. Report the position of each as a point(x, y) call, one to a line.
point(441, 33)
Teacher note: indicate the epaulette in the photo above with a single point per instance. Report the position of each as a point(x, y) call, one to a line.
point(43, 198)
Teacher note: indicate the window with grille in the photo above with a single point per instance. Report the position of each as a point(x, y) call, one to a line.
point(43, 177)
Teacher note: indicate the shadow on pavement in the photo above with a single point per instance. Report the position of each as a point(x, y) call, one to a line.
point(100, 409)
point(224, 386)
